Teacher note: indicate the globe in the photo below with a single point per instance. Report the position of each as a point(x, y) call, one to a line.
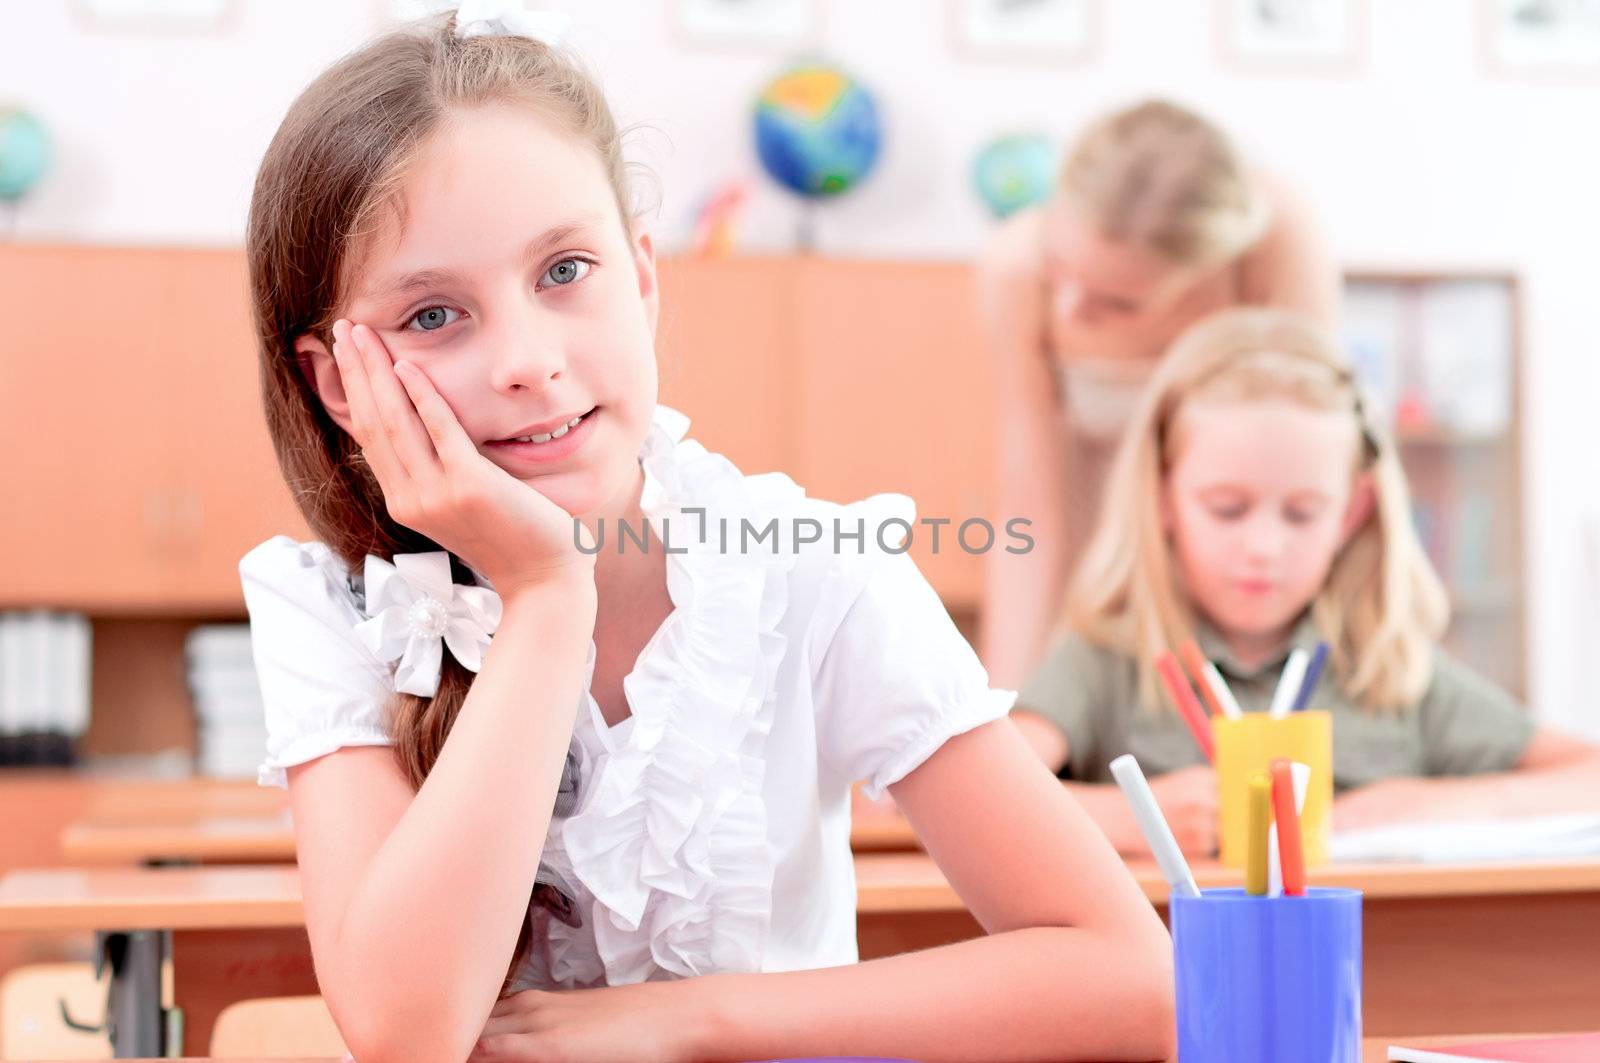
point(816, 131)
point(1013, 172)
point(24, 153)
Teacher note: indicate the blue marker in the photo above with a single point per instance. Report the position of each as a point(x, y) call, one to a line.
point(1319, 658)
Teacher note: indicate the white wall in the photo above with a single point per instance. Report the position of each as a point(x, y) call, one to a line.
point(1420, 158)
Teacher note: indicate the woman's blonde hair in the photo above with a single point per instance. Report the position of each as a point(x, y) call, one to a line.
point(336, 162)
point(1161, 177)
point(1381, 607)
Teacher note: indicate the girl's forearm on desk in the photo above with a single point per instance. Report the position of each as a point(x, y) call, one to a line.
point(1569, 787)
point(1044, 993)
point(439, 905)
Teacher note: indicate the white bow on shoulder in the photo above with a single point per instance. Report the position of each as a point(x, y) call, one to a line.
point(505, 18)
point(414, 608)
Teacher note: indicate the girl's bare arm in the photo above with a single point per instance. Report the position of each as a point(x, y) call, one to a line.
point(1077, 964)
point(1022, 593)
point(413, 902)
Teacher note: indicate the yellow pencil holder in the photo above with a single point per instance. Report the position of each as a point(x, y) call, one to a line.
point(1250, 744)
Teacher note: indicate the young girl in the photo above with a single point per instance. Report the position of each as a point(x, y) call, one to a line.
point(1254, 507)
point(520, 764)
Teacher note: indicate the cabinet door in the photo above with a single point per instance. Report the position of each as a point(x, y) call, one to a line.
point(84, 389)
point(896, 395)
point(229, 493)
point(726, 353)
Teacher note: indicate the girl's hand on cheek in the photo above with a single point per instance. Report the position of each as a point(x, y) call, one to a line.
point(436, 482)
point(651, 1022)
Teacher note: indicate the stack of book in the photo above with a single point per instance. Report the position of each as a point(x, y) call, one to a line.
point(232, 733)
point(44, 686)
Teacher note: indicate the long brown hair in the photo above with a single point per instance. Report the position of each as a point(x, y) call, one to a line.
point(336, 163)
point(1381, 608)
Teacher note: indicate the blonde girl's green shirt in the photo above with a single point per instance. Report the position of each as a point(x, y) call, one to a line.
point(1463, 724)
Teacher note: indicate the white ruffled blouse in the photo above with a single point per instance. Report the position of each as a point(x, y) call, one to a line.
point(709, 831)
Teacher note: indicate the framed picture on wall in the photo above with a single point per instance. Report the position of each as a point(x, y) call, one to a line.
point(181, 16)
point(1541, 39)
point(791, 25)
point(1038, 30)
point(1298, 36)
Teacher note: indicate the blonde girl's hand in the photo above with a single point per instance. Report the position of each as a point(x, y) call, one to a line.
point(435, 480)
point(649, 1022)
point(1188, 799)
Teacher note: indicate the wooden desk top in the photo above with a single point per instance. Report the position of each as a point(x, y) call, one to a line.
point(133, 898)
point(208, 820)
point(887, 883)
point(897, 882)
point(258, 838)
point(270, 838)
point(131, 801)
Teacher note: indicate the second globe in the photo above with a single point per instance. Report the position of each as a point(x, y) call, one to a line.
point(817, 130)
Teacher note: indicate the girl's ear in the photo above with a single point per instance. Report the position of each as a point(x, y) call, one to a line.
point(1363, 501)
point(322, 373)
point(1164, 500)
point(644, 263)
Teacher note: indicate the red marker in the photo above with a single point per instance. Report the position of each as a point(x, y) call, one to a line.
point(1188, 706)
point(1195, 662)
point(1290, 854)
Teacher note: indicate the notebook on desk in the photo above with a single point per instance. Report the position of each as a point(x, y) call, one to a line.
point(1562, 1048)
point(1463, 841)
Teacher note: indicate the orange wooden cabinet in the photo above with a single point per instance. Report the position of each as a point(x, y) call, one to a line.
point(896, 396)
point(852, 376)
point(139, 468)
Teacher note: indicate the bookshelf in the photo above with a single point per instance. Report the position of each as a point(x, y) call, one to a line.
point(1439, 355)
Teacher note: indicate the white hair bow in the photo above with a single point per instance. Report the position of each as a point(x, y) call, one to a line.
point(505, 18)
point(414, 608)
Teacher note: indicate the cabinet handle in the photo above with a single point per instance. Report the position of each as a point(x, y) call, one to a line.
point(190, 514)
point(157, 522)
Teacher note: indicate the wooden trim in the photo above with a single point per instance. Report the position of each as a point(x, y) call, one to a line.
point(215, 897)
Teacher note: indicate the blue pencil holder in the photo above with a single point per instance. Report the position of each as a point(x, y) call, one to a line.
point(1263, 978)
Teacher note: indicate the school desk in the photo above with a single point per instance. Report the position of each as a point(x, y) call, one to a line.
point(236, 933)
point(1445, 947)
point(1506, 947)
point(210, 822)
point(167, 800)
point(199, 839)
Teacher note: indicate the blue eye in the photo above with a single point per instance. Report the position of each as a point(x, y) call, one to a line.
point(566, 271)
point(432, 318)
